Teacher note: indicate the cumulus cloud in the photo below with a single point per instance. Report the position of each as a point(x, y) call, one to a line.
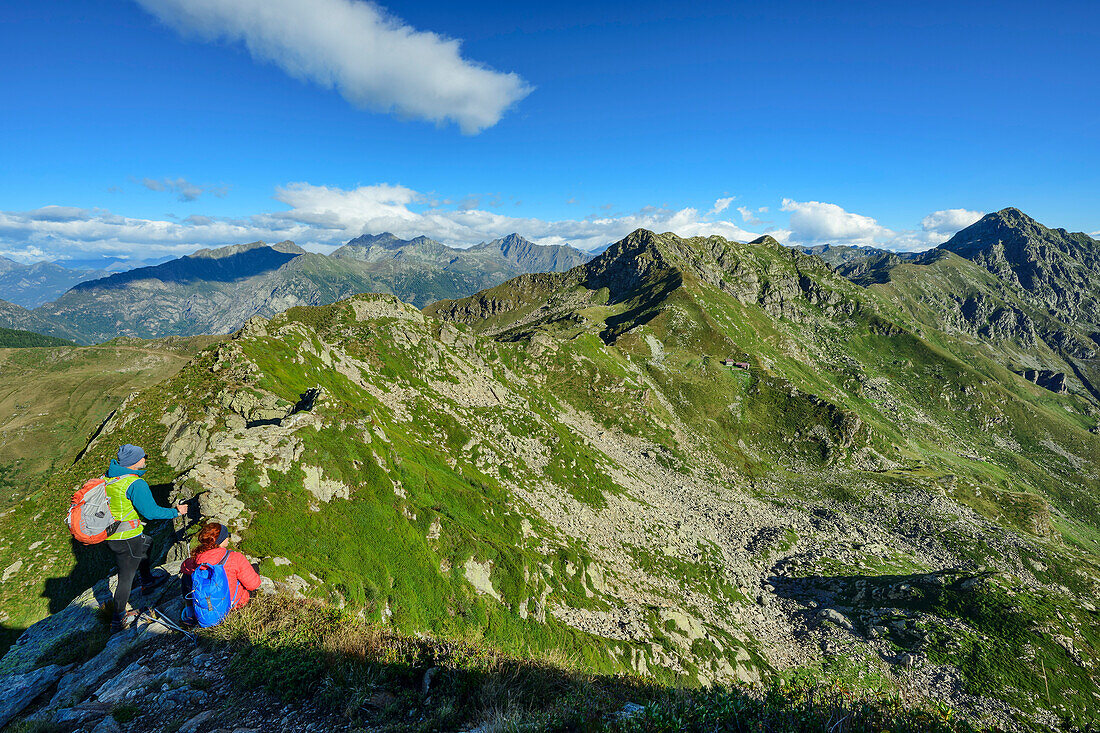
point(321, 218)
point(386, 207)
point(815, 222)
point(374, 59)
point(721, 205)
point(949, 221)
point(750, 217)
point(184, 189)
point(26, 255)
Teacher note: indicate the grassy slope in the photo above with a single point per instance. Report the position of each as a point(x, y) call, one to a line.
point(943, 410)
point(940, 417)
point(53, 399)
point(927, 298)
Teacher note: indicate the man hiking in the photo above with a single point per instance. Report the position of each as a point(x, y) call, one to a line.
point(131, 501)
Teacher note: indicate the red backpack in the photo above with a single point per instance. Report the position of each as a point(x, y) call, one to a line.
point(90, 519)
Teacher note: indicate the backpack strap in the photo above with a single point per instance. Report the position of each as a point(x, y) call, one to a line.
point(129, 524)
point(236, 587)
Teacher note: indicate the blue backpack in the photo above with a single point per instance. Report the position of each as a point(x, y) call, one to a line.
point(210, 597)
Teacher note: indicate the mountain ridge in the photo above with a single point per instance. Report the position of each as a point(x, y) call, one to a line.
point(29, 286)
point(1055, 267)
point(216, 290)
point(1031, 293)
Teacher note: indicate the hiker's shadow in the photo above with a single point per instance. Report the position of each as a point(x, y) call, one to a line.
point(93, 563)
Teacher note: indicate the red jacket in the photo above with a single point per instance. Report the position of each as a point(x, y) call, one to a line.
point(242, 577)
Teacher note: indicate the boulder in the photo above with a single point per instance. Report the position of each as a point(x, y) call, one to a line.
point(193, 724)
point(254, 327)
point(133, 677)
point(76, 619)
point(19, 691)
point(324, 489)
point(75, 684)
point(836, 617)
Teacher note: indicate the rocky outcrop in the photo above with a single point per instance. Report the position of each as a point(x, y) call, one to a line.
point(20, 690)
point(148, 669)
point(1047, 379)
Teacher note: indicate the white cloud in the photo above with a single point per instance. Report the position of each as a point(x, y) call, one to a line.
point(371, 57)
point(184, 189)
point(949, 221)
point(26, 255)
point(815, 222)
point(721, 205)
point(323, 217)
point(390, 208)
point(58, 213)
point(750, 217)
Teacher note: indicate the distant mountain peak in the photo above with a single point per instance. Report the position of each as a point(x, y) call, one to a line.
point(766, 239)
point(217, 253)
point(533, 257)
point(1054, 268)
point(386, 240)
point(1009, 227)
point(509, 241)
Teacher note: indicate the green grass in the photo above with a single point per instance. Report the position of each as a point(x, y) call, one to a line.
point(52, 401)
point(1012, 651)
point(373, 676)
point(373, 552)
point(125, 712)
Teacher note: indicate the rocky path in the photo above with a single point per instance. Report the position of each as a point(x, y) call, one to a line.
point(146, 678)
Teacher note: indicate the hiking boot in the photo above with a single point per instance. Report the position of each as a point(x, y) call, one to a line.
point(154, 582)
point(122, 621)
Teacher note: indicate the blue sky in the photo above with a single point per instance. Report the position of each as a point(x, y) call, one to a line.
point(155, 127)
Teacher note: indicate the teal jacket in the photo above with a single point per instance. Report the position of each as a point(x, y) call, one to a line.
point(140, 495)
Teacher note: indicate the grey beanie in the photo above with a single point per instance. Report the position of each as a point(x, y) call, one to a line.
point(129, 454)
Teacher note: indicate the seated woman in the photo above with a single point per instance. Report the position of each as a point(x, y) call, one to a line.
point(213, 550)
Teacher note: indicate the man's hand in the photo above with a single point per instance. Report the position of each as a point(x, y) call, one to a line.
point(182, 509)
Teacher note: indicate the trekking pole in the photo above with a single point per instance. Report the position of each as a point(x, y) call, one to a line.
point(159, 617)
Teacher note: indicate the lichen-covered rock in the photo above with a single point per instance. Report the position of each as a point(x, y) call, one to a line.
point(19, 690)
point(371, 307)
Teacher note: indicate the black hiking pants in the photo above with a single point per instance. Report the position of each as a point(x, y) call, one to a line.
point(133, 557)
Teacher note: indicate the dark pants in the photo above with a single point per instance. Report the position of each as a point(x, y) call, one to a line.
point(133, 557)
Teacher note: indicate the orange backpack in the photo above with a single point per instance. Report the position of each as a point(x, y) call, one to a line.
point(90, 519)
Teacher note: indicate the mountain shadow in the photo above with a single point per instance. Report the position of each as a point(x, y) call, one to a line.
point(231, 267)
